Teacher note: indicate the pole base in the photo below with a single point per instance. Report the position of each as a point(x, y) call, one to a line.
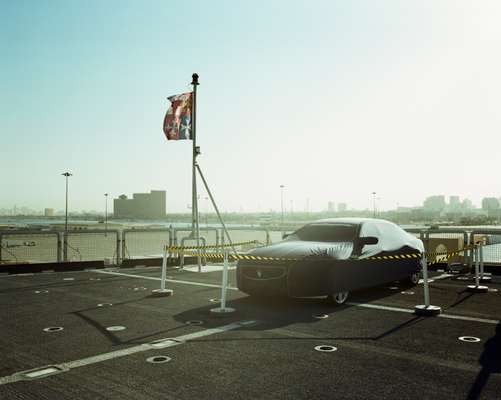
point(486, 279)
point(477, 289)
point(222, 312)
point(427, 310)
point(162, 292)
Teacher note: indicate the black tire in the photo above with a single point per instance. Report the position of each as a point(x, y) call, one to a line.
point(412, 280)
point(338, 298)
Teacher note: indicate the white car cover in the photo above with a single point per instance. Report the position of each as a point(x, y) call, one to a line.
point(390, 237)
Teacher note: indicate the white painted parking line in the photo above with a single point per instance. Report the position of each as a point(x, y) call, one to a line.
point(152, 278)
point(168, 342)
point(436, 278)
point(411, 311)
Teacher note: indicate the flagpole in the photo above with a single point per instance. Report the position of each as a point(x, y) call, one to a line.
point(195, 228)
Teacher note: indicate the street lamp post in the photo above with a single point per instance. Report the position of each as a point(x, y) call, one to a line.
point(105, 214)
point(374, 204)
point(65, 249)
point(282, 204)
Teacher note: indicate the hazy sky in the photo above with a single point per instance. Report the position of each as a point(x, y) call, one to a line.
point(333, 99)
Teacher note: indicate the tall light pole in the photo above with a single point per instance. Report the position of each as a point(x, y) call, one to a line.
point(374, 204)
point(282, 204)
point(66, 175)
point(105, 214)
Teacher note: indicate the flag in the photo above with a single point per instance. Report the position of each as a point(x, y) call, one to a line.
point(177, 121)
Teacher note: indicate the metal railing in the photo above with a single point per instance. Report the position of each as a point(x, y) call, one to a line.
point(17, 247)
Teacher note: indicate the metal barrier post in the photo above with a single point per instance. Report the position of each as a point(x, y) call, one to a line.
point(163, 292)
point(65, 247)
point(477, 287)
point(483, 276)
point(426, 308)
point(223, 310)
point(59, 247)
point(1, 246)
point(118, 260)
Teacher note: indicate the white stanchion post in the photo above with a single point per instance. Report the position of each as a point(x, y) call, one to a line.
point(483, 276)
point(223, 310)
point(426, 308)
point(163, 292)
point(477, 287)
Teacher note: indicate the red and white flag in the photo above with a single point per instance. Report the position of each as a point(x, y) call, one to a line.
point(177, 121)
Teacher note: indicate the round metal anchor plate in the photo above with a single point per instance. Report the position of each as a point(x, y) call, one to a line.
point(53, 329)
point(393, 287)
point(407, 292)
point(215, 300)
point(321, 316)
point(41, 291)
point(115, 328)
point(158, 359)
point(325, 348)
point(104, 304)
point(469, 339)
point(68, 279)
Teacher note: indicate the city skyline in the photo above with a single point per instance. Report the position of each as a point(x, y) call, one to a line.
point(333, 101)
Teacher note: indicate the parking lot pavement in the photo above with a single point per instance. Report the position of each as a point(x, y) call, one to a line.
point(266, 349)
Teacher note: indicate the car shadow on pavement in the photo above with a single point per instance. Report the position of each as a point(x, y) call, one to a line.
point(490, 360)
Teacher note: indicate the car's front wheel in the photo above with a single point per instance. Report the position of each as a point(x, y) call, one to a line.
point(339, 298)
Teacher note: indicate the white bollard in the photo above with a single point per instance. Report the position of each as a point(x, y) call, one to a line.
point(426, 308)
point(483, 276)
point(477, 287)
point(223, 310)
point(163, 292)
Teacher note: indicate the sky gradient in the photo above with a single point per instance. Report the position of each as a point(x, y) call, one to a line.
point(333, 99)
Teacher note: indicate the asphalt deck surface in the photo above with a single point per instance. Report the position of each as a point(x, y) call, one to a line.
point(264, 350)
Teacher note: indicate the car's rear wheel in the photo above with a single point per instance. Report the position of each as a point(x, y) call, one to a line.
point(338, 298)
point(412, 280)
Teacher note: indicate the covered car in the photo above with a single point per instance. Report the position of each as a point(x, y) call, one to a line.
point(332, 257)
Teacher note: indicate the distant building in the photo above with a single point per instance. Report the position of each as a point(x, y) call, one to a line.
point(330, 206)
point(142, 205)
point(48, 212)
point(434, 203)
point(490, 203)
point(342, 207)
point(454, 202)
point(467, 204)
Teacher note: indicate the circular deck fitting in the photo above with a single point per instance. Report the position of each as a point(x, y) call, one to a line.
point(105, 304)
point(463, 278)
point(393, 287)
point(139, 288)
point(321, 316)
point(162, 292)
point(325, 348)
point(194, 322)
point(215, 300)
point(68, 279)
point(477, 289)
point(427, 311)
point(116, 328)
point(94, 279)
point(486, 279)
point(469, 339)
point(41, 291)
point(492, 290)
point(407, 292)
point(158, 359)
point(221, 312)
point(53, 329)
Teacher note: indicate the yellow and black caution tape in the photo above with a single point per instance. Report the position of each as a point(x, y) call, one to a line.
point(218, 256)
point(179, 249)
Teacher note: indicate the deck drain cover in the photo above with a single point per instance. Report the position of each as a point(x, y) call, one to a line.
point(393, 287)
point(104, 304)
point(41, 291)
point(194, 322)
point(470, 339)
point(53, 329)
point(408, 292)
point(321, 316)
point(492, 290)
point(325, 349)
point(158, 359)
point(94, 279)
point(115, 328)
point(68, 279)
point(139, 288)
point(463, 278)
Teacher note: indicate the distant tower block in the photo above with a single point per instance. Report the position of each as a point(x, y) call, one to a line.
point(48, 212)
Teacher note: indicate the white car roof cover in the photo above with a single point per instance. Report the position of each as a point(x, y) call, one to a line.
point(390, 237)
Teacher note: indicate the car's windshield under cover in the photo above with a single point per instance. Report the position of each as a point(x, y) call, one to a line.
point(327, 233)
